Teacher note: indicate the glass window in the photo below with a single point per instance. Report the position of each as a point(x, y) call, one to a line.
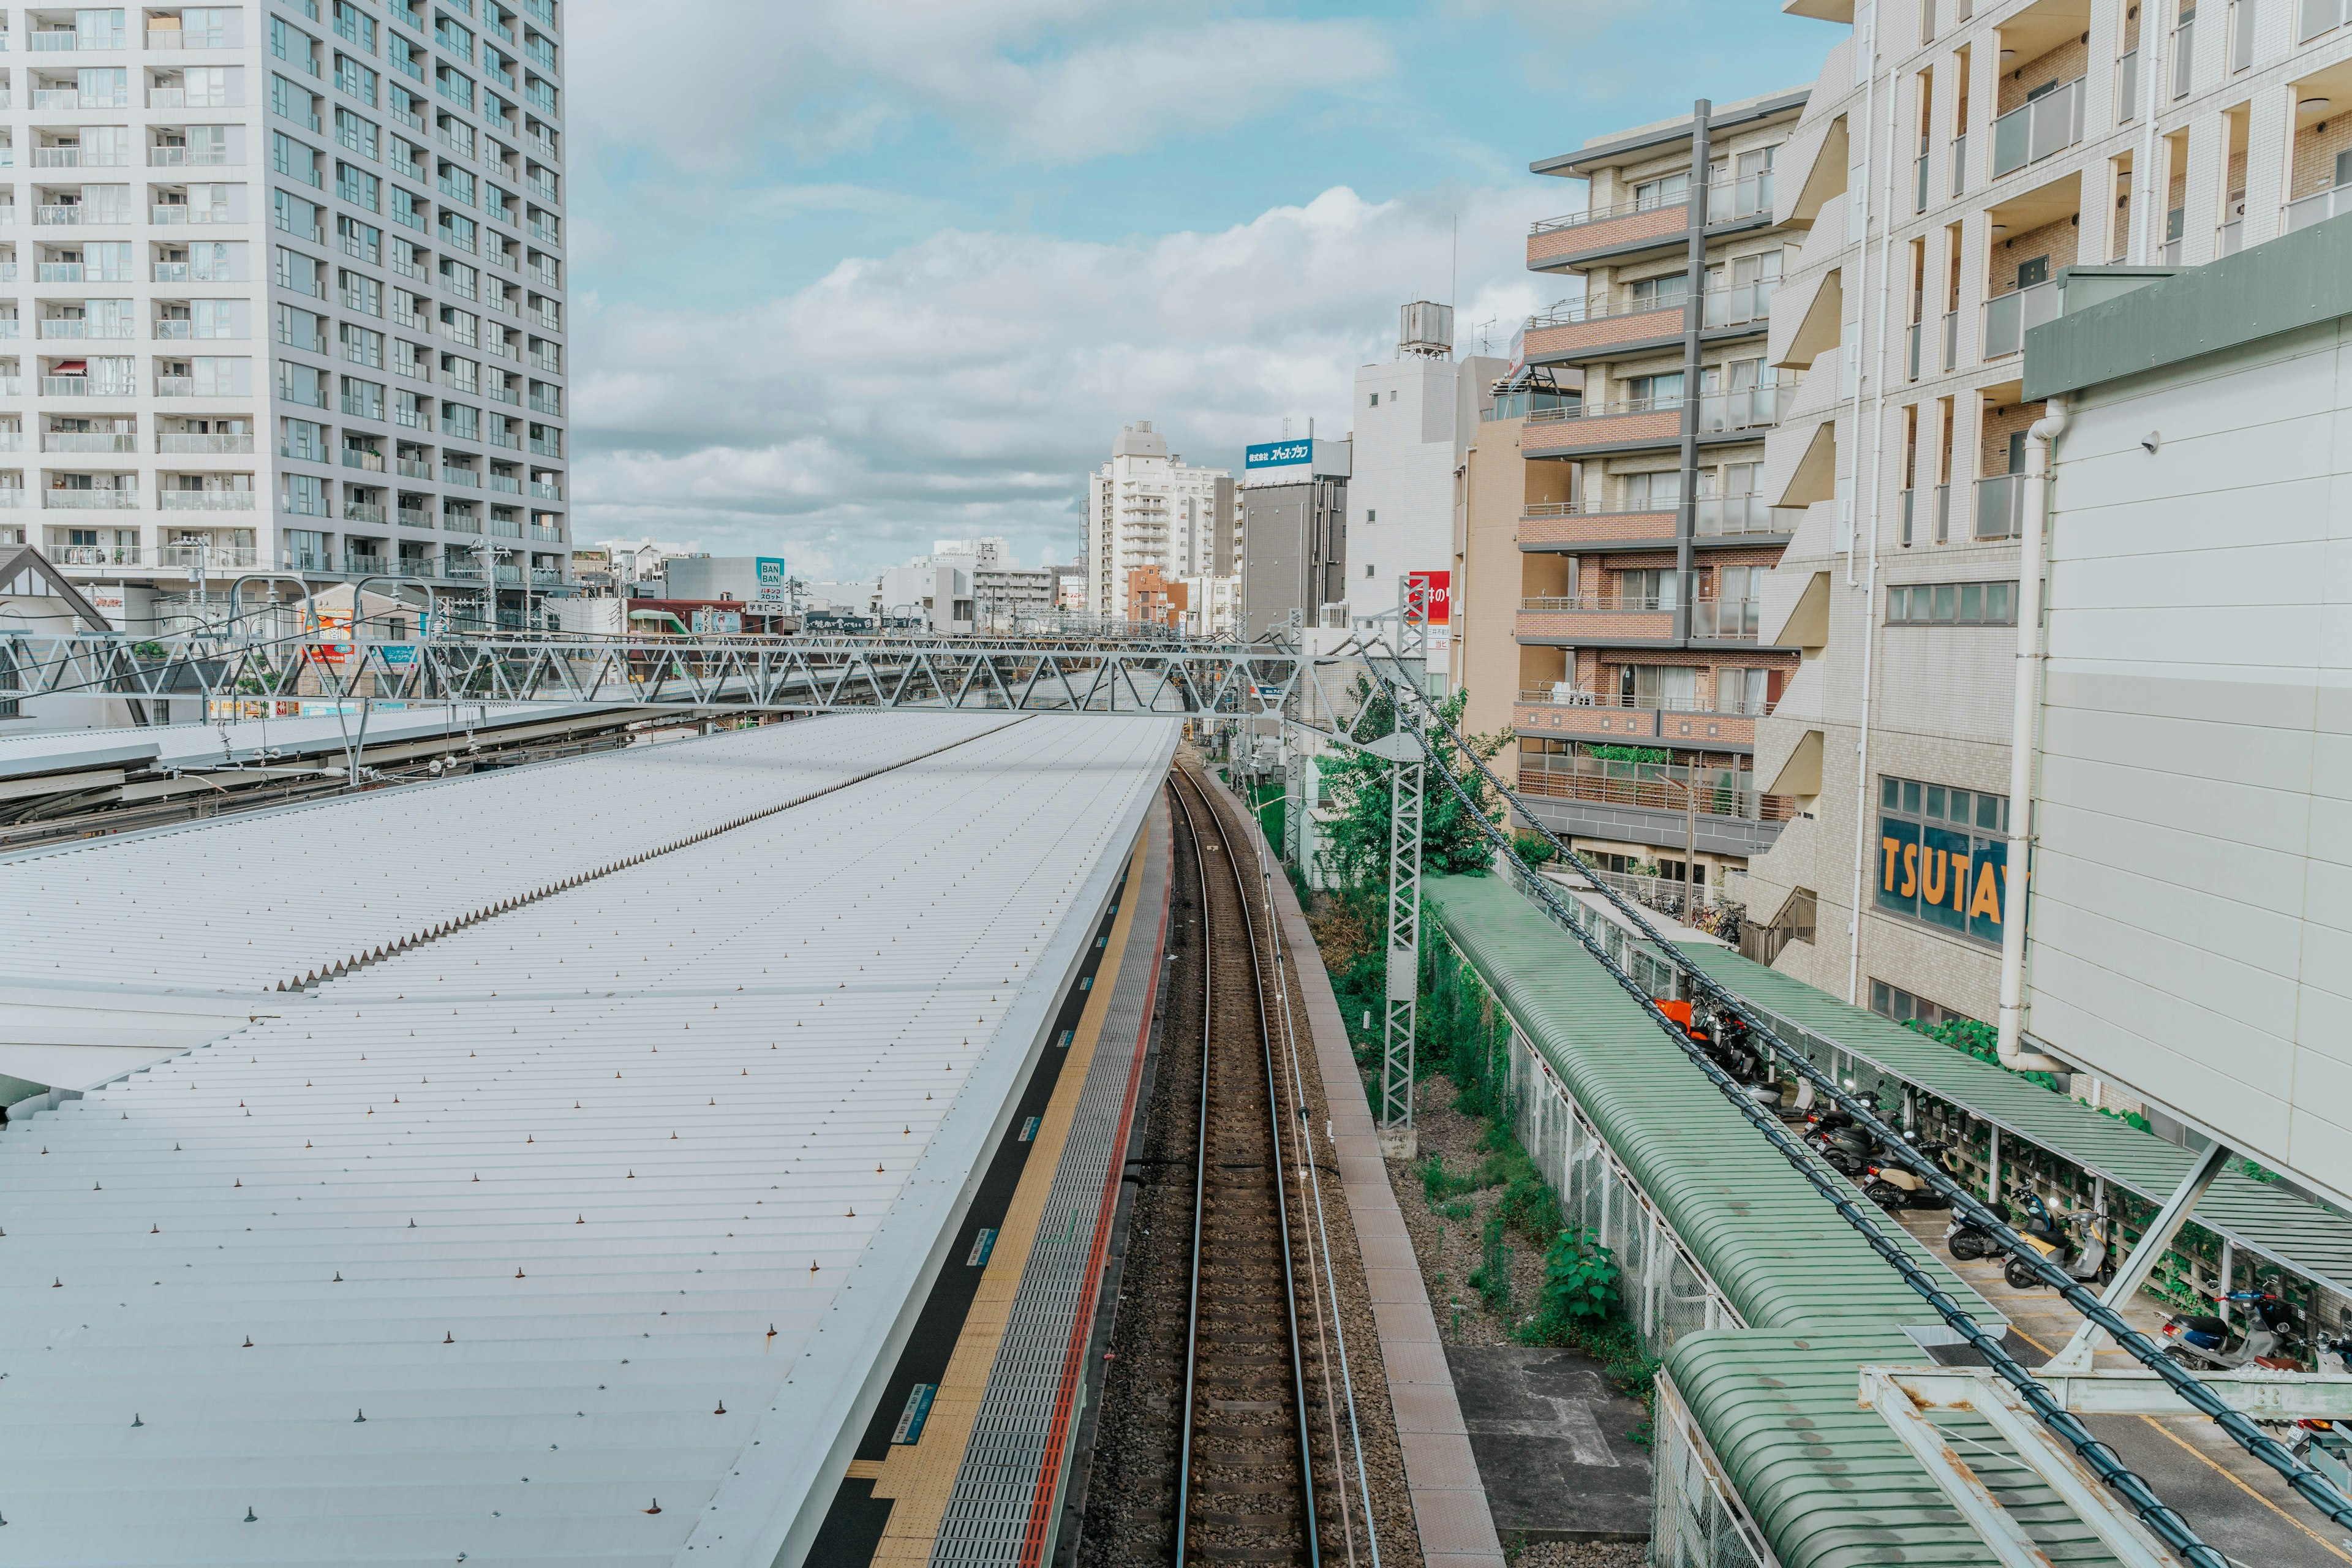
point(1942, 858)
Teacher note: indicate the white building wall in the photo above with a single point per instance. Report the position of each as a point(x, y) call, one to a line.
point(1400, 492)
point(1937, 700)
point(2191, 932)
point(244, 171)
point(1148, 508)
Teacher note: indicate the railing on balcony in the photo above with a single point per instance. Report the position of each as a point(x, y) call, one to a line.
point(220, 558)
point(2034, 131)
point(204, 500)
point(173, 441)
point(2000, 505)
point(1938, 515)
point(1751, 409)
point(2318, 207)
point(410, 517)
point(2128, 87)
point(1740, 304)
point(1726, 620)
point(1657, 786)
point(1564, 694)
point(2241, 34)
point(96, 555)
point(88, 441)
point(2229, 239)
point(1959, 165)
point(1919, 184)
point(61, 499)
point(1602, 603)
point(2008, 317)
point(2184, 54)
point(1742, 196)
point(1727, 517)
point(1619, 209)
point(1911, 335)
point(1952, 340)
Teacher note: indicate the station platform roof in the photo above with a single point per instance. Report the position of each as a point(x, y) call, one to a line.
point(626, 1188)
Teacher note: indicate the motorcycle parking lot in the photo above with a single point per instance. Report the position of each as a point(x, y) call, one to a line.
point(2239, 1505)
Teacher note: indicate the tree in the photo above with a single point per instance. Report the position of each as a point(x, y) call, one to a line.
point(1452, 837)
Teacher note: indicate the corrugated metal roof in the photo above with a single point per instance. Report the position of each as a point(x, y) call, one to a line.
point(278, 897)
point(192, 746)
point(2258, 1217)
point(1826, 1479)
point(1782, 1255)
point(542, 1222)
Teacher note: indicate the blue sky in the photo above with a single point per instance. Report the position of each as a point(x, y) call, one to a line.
point(851, 275)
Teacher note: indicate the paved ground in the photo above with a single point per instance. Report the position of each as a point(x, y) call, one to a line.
point(2235, 1502)
point(1551, 1436)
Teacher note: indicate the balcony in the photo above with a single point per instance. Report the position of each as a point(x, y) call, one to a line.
point(1726, 620)
point(409, 517)
point(1637, 422)
point(363, 511)
point(366, 461)
point(366, 565)
point(90, 500)
point(2008, 317)
point(186, 441)
point(1573, 331)
point(1934, 513)
point(1559, 240)
point(1561, 710)
point(547, 576)
point(545, 535)
point(1751, 409)
point(1653, 787)
point(77, 158)
point(413, 468)
point(1597, 618)
point(461, 477)
point(204, 500)
point(459, 523)
point(540, 491)
point(82, 386)
point(83, 327)
point(1741, 517)
point(2000, 505)
point(2318, 208)
point(2128, 87)
point(208, 557)
point(2033, 132)
point(96, 555)
point(1545, 524)
point(88, 441)
point(506, 482)
point(463, 571)
point(1739, 305)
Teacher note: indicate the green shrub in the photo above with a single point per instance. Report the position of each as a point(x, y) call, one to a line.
point(1580, 1289)
point(1492, 1277)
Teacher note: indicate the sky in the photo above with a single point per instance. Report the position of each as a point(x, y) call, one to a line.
point(852, 275)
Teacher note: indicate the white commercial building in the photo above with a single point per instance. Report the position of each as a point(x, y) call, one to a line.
point(1411, 427)
point(1150, 508)
point(2192, 803)
point(288, 295)
point(1947, 166)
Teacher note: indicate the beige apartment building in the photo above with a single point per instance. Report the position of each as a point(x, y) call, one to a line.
point(1950, 163)
point(1638, 535)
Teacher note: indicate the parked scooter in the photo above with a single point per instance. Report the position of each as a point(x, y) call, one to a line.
point(2085, 1259)
point(1893, 1186)
point(2209, 1343)
point(1966, 1240)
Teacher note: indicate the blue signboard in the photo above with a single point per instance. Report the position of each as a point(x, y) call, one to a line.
point(1278, 455)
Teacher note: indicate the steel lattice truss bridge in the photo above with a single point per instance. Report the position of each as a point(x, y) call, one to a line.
point(1264, 679)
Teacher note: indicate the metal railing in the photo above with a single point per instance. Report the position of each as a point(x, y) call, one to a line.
point(1564, 694)
point(1718, 517)
point(2318, 207)
point(90, 500)
point(1742, 196)
point(1753, 408)
point(1617, 209)
point(1938, 511)
point(1603, 604)
point(1604, 410)
point(1653, 787)
point(2127, 87)
point(88, 441)
point(2184, 55)
point(2000, 505)
point(216, 558)
point(1726, 620)
point(2034, 131)
point(1959, 165)
point(190, 441)
point(1952, 340)
point(2008, 317)
point(2229, 239)
point(1740, 304)
point(1911, 336)
point(204, 500)
point(96, 555)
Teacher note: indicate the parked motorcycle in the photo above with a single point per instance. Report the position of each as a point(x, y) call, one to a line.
point(1893, 1186)
point(2210, 1343)
point(2085, 1259)
point(1964, 1239)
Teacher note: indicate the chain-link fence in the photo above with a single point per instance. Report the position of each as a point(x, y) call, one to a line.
point(1695, 1517)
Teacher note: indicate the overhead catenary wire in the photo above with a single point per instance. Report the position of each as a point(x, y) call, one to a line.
point(2152, 1510)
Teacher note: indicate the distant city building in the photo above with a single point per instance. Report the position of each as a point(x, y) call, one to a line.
point(1294, 534)
point(1414, 416)
point(1149, 507)
point(254, 350)
point(1152, 600)
point(1209, 605)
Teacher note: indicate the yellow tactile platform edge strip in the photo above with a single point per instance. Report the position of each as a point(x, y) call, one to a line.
point(920, 1478)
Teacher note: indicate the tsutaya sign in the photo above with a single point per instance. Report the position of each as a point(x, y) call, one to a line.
point(1943, 876)
point(1295, 462)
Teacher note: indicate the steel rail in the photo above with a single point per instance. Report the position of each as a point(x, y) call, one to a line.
point(1281, 1193)
point(2306, 1483)
point(1200, 1186)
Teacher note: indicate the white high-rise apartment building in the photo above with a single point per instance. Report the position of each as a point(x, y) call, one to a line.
point(284, 290)
point(1952, 162)
point(1150, 508)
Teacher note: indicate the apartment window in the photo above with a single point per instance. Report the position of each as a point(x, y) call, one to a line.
point(299, 273)
point(299, 217)
point(1653, 491)
point(460, 326)
point(363, 399)
point(462, 421)
point(408, 210)
point(1894, 1002)
point(1663, 191)
point(460, 280)
point(1745, 691)
point(355, 133)
point(109, 262)
point(355, 25)
point(303, 441)
point(358, 187)
point(1942, 860)
point(292, 45)
point(215, 87)
point(1657, 391)
point(104, 87)
point(1654, 588)
point(288, 101)
point(359, 292)
point(457, 183)
point(301, 384)
point(1673, 686)
point(292, 159)
point(361, 241)
point(206, 27)
point(1650, 293)
point(362, 346)
point(298, 327)
point(355, 80)
point(459, 232)
point(406, 58)
point(453, 37)
point(214, 319)
point(1953, 604)
point(306, 496)
point(455, 86)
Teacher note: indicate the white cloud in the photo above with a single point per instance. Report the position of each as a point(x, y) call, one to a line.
point(1059, 80)
point(966, 383)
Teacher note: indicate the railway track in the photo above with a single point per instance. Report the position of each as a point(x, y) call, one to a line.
point(1256, 1480)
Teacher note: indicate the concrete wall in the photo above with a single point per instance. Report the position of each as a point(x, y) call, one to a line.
point(2191, 932)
